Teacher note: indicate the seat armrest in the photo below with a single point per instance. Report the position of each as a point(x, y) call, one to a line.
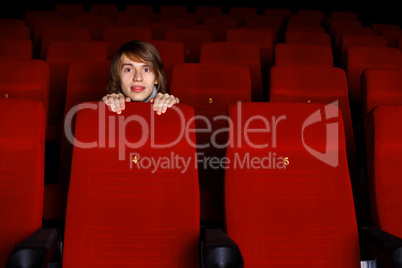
point(36, 250)
point(219, 251)
point(386, 247)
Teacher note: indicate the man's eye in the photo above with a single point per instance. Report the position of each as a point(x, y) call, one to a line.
point(128, 70)
point(147, 70)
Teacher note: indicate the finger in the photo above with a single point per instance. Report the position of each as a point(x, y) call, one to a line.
point(172, 101)
point(157, 102)
point(162, 104)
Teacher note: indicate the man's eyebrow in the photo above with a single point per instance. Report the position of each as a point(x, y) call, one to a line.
point(130, 64)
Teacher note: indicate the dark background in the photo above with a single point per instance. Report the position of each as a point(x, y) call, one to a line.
point(368, 12)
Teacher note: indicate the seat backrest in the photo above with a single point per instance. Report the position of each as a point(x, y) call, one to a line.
point(210, 89)
point(303, 54)
point(288, 204)
point(53, 34)
point(86, 81)
point(15, 31)
point(22, 161)
point(315, 84)
point(226, 84)
point(192, 40)
point(381, 86)
point(361, 40)
point(123, 209)
point(262, 38)
point(236, 54)
point(116, 36)
point(60, 55)
point(383, 131)
point(15, 49)
point(25, 79)
point(171, 53)
point(308, 38)
point(359, 58)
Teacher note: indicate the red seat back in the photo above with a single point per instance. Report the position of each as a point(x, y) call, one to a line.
point(123, 210)
point(287, 203)
point(22, 158)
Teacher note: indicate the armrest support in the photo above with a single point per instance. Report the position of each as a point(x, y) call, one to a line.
point(219, 251)
point(386, 247)
point(35, 251)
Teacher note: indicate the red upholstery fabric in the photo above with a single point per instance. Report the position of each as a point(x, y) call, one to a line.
point(284, 206)
point(236, 54)
point(86, 81)
point(172, 53)
point(60, 55)
point(25, 79)
point(15, 31)
point(305, 28)
point(123, 210)
point(62, 34)
point(381, 86)
point(118, 35)
point(225, 85)
point(192, 40)
point(262, 38)
point(359, 58)
point(22, 147)
point(15, 49)
point(303, 54)
point(383, 132)
point(312, 38)
point(361, 40)
point(158, 28)
point(314, 84)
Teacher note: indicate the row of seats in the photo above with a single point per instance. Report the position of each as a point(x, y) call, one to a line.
point(87, 80)
point(285, 204)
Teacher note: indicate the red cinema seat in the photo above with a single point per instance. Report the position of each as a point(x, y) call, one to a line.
point(123, 211)
point(173, 11)
point(304, 20)
point(22, 147)
point(305, 28)
point(95, 22)
point(313, 84)
point(303, 54)
point(236, 54)
point(158, 29)
point(288, 197)
point(381, 86)
point(15, 31)
point(225, 20)
point(383, 132)
point(343, 15)
point(171, 53)
point(15, 49)
point(69, 10)
point(25, 79)
point(44, 23)
point(192, 40)
point(262, 38)
point(139, 10)
point(33, 16)
point(319, 14)
point(359, 58)
point(312, 38)
point(342, 24)
point(391, 36)
point(86, 81)
point(242, 14)
point(54, 34)
point(226, 84)
point(119, 35)
point(361, 40)
point(379, 27)
point(340, 31)
point(60, 55)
